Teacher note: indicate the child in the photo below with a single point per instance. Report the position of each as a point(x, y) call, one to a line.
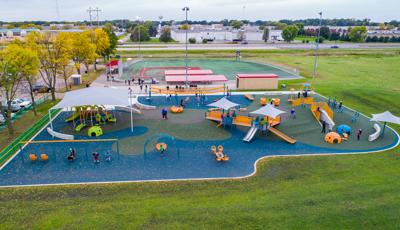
point(96, 158)
point(293, 113)
point(108, 156)
point(72, 154)
point(359, 132)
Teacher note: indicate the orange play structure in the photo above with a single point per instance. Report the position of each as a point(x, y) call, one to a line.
point(246, 121)
point(176, 109)
point(301, 101)
point(173, 91)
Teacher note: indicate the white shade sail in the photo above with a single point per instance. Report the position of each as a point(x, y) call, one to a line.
point(386, 117)
point(223, 103)
point(94, 96)
point(268, 110)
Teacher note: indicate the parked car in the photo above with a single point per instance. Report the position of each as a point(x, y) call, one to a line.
point(3, 120)
point(14, 106)
point(335, 47)
point(22, 102)
point(244, 42)
point(37, 88)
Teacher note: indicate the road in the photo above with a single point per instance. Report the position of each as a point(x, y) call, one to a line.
point(256, 46)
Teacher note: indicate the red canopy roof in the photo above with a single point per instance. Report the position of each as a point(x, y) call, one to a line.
point(196, 78)
point(190, 72)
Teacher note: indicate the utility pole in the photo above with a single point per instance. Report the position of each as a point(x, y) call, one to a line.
point(317, 47)
point(96, 11)
point(186, 9)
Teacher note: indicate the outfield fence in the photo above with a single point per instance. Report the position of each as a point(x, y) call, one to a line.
point(12, 148)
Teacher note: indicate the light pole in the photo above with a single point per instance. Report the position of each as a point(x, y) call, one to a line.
point(317, 47)
point(186, 9)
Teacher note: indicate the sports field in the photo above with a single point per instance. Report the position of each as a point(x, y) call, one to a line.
point(320, 192)
point(227, 67)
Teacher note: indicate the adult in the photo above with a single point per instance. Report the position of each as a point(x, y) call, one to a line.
point(359, 133)
point(164, 114)
point(323, 127)
point(96, 158)
point(72, 154)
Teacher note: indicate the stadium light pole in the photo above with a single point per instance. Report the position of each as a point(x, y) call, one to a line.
point(186, 9)
point(317, 47)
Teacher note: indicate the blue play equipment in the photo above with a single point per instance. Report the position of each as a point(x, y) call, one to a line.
point(344, 129)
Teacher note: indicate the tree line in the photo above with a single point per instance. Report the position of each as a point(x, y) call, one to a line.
point(50, 57)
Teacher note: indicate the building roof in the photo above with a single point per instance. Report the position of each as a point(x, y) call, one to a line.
point(190, 72)
point(196, 78)
point(257, 75)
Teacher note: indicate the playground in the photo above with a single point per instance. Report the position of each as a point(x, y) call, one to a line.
point(155, 68)
point(198, 138)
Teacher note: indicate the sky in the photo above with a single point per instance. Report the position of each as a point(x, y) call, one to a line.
point(76, 10)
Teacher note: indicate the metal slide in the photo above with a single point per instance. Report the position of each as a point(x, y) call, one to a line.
point(250, 134)
point(325, 117)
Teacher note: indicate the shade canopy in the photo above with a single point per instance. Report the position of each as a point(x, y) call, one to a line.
point(223, 103)
point(94, 96)
point(269, 111)
point(386, 117)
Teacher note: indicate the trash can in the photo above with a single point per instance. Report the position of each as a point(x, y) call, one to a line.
point(76, 79)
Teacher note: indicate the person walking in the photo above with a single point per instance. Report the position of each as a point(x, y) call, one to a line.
point(293, 113)
point(145, 88)
point(359, 132)
point(323, 127)
point(141, 88)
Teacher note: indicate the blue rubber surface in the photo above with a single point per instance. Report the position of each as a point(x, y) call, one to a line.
point(183, 160)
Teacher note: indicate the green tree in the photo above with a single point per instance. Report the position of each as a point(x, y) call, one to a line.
point(16, 62)
point(290, 33)
point(266, 34)
point(358, 34)
point(113, 39)
point(192, 40)
point(165, 35)
point(236, 24)
point(142, 31)
point(325, 32)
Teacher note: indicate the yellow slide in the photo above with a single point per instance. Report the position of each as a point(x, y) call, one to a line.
point(282, 135)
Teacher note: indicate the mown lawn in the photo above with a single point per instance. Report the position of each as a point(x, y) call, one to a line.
point(324, 192)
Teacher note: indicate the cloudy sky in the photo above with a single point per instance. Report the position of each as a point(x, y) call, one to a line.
point(73, 10)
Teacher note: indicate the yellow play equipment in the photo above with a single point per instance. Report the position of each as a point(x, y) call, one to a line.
point(216, 115)
point(263, 101)
point(219, 155)
point(176, 109)
point(333, 138)
point(33, 157)
point(275, 101)
point(173, 91)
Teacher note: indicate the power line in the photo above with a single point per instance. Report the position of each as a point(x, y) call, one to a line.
point(94, 15)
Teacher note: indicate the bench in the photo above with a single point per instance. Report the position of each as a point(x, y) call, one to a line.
point(377, 133)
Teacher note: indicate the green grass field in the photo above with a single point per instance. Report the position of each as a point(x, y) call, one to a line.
point(321, 192)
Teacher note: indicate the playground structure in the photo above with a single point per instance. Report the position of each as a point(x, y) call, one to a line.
point(249, 97)
point(220, 156)
point(92, 116)
point(322, 112)
point(46, 156)
point(333, 138)
point(176, 109)
point(250, 122)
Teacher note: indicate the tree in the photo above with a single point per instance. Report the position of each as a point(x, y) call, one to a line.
point(64, 44)
point(266, 34)
point(49, 57)
point(113, 39)
point(325, 32)
point(358, 34)
point(236, 24)
point(16, 63)
point(290, 33)
point(144, 35)
point(192, 40)
point(101, 41)
point(165, 35)
point(83, 50)
point(335, 36)
point(151, 28)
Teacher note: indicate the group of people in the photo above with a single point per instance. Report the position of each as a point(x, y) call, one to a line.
point(95, 155)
